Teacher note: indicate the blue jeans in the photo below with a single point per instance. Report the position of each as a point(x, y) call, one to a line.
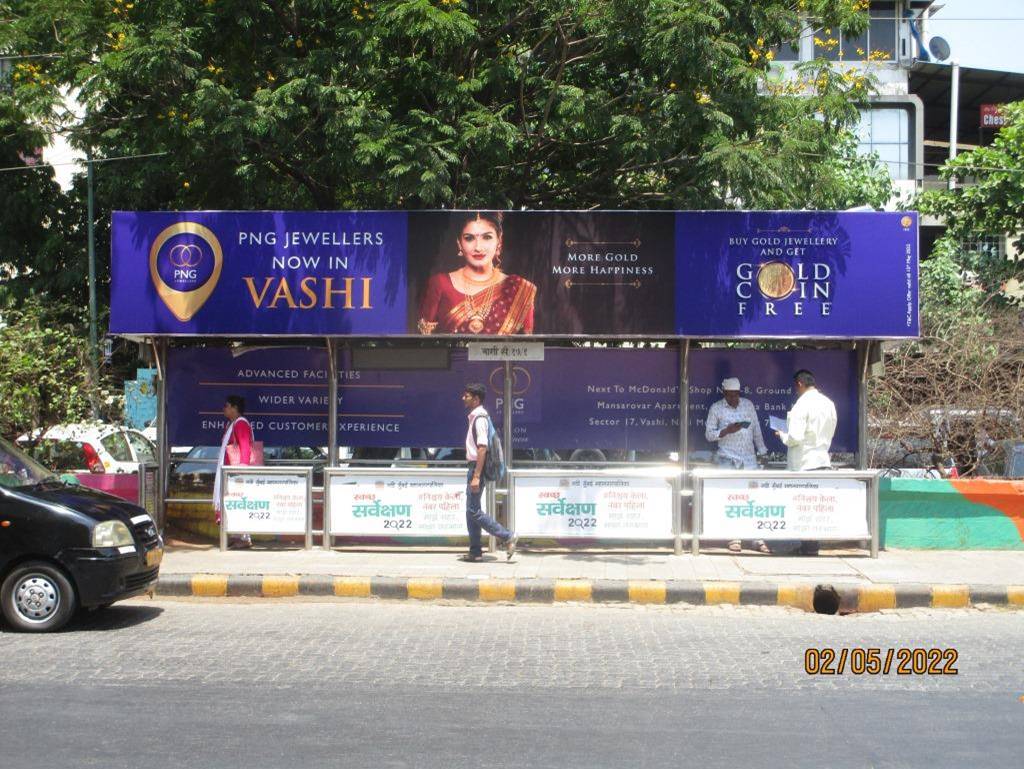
point(477, 519)
point(728, 463)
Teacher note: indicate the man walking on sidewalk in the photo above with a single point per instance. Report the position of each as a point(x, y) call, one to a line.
point(477, 438)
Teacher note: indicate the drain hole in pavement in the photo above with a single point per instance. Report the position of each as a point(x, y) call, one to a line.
point(826, 599)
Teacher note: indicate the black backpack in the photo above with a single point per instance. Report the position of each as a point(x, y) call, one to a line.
point(494, 460)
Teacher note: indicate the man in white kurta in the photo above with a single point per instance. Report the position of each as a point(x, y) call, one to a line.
point(811, 425)
point(808, 437)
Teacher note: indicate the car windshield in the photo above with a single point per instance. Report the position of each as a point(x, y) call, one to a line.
point(204, 452)
point(17, 469)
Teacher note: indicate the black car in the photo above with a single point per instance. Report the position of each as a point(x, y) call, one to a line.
point(65, 546)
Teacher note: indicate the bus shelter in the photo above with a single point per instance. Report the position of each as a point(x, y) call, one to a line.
point(603, 340)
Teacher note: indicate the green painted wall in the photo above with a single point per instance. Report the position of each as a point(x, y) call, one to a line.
point(920, 514)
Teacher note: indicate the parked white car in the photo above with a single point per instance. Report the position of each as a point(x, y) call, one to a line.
point(95, 448)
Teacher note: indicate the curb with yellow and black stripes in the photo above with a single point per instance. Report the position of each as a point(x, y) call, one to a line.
point(826, 599)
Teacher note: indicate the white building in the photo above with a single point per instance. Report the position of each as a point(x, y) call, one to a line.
point(892, 127)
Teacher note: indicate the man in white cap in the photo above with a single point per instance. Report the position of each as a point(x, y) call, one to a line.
point(732, 423)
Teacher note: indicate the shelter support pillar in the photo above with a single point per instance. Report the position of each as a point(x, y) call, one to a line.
point(506, 430)
point(863, 367)
point(332, 426)
point(163, 449)
point(684, 443)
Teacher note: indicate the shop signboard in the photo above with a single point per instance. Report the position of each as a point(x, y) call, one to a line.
point(266, 501)
point(991, 116)
point(813, 506)
point(465, 274)
point(504, 350)
point(409, 503)
point(596, 505)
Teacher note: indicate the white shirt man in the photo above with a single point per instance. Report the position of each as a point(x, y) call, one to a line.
point(811, 425)
point(732, 423)
point(476, 434)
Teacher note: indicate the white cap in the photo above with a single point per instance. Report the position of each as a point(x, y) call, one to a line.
point(731, 384)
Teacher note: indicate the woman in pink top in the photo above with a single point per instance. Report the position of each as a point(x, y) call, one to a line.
point(235, 449)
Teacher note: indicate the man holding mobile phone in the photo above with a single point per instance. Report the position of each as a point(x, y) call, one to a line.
point(733, 425)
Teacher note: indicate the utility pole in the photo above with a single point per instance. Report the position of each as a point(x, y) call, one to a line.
point(93, 335)
point(954, 115)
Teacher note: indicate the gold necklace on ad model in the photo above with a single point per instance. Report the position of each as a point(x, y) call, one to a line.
point(477, 315)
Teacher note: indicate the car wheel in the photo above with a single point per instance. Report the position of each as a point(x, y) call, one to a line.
point(36, 598)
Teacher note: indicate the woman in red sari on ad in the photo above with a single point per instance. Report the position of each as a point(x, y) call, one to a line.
point(478, 298)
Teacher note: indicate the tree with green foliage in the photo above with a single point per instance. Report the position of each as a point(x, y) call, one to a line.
point(437, 103)
point(987, 200)
point(968, 365)
point(350, 104)
point(45, 375)
point(37, 221)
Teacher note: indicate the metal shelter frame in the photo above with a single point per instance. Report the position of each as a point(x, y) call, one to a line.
point(334, 345)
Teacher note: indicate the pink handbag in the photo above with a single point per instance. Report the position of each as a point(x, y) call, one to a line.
point(234, 454)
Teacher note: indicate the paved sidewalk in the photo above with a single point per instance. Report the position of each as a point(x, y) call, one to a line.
point(839, 581)
point(949, 567)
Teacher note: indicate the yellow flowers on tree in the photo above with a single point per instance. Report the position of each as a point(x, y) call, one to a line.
point(427, 103)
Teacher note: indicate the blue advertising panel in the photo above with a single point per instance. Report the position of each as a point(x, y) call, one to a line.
point(575, 398)
point(472, 274)
point(608, 399)
point(766, 378)
point(779, 274)
point(258, 273)
point(285, 391)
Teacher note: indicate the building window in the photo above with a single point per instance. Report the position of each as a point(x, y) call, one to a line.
point(787, 51)
point(886, 132)
point(876, 43)
point(988, 246)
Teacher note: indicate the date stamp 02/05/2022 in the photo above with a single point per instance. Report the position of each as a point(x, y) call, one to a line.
point(872, 661)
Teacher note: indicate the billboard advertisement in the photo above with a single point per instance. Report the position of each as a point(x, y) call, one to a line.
point(591, 507)
point(470, 274)
point(751, 507)
point(266, 502)
point(417, 504)
point(814, 274)
point(574, 398)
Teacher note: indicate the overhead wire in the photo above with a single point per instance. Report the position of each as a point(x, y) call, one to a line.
point(82, 162)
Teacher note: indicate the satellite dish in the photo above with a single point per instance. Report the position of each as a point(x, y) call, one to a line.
point(940, 48)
